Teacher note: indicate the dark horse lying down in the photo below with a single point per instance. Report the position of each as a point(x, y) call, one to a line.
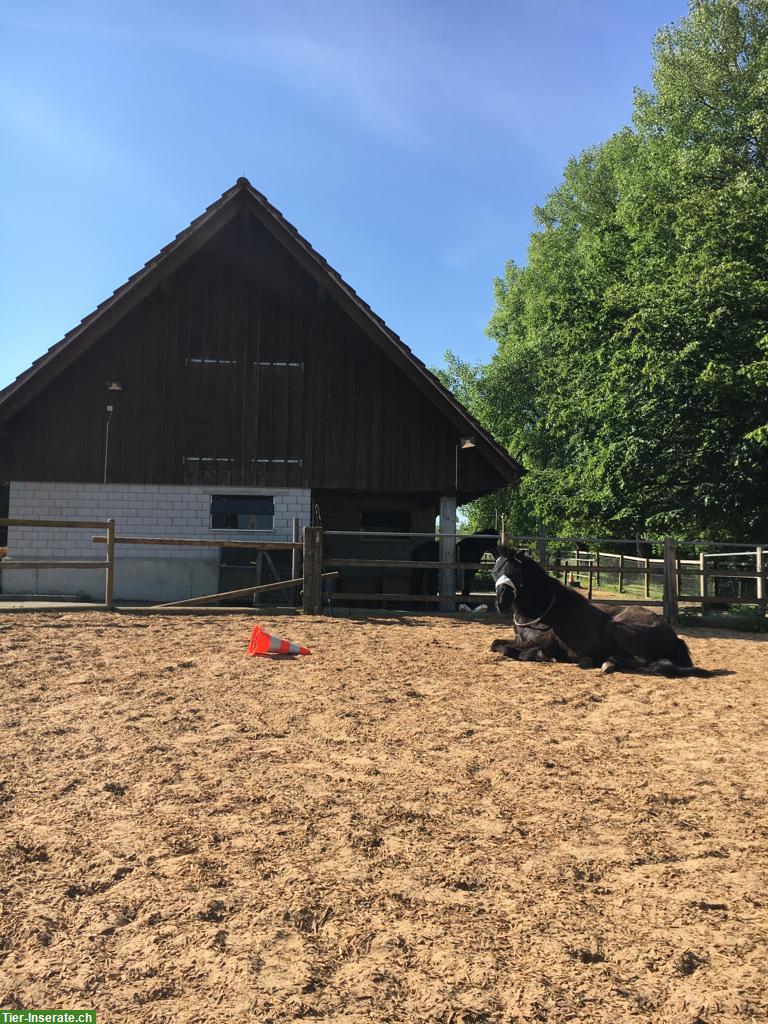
point(469, 549)
point(562, 625)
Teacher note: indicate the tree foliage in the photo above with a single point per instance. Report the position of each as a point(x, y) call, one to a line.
point(631, 370)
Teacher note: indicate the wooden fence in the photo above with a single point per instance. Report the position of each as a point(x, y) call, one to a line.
point(107, 564)
point(672, 574)
point(661, 578)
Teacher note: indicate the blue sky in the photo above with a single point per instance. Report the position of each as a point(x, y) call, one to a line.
point(408, 141)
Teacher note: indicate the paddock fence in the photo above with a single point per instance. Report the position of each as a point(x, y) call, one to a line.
point(107, 563)
point(336, 569)
point(723, 575)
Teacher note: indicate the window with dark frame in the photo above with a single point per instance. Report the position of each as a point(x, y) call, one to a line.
point(242, 512)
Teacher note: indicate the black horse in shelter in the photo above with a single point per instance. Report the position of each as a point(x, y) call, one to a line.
point(469, 550)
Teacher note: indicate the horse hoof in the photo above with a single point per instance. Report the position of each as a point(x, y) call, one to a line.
point(586, 663)
point(608, 667)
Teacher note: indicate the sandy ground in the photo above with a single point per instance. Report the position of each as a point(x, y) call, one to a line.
point(401, 827)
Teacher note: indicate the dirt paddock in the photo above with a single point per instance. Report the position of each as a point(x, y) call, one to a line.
point(401, 827)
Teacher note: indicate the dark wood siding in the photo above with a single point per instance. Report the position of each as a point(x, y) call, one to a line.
point(239, 369)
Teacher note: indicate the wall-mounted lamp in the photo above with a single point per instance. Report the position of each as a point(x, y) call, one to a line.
point(113, 385)
point(461, 445)
point(110, 410)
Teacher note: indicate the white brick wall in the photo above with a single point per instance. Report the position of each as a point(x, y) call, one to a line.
point(138, 510)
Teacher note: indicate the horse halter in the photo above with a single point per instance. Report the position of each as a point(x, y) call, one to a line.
point(535, 622)
point(505, 581)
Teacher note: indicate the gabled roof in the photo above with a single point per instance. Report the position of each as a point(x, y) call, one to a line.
point(92, 327)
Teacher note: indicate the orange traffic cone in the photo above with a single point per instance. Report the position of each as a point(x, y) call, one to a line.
point(263, 643)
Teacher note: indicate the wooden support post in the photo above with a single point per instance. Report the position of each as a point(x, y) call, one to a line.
point(597, 569)
point(591, 570)
point(447, 553)
point(109, 583)
point(670, 605)
point(313, 567)
point(503, 531)
point(703, 580)
point(679, 574)
point(648, 577)
point(621, 574)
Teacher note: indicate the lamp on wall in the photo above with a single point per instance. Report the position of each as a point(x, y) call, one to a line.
point(461, 445)
point(112, 386)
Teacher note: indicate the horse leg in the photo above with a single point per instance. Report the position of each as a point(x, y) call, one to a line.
point(619, 663)
point(506, 648)
point(534, 654)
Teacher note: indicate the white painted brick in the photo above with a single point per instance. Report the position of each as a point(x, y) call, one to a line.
point(138, 510)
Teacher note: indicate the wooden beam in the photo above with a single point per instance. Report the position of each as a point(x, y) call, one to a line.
point(243, 592)
point(257, 545)
point(447, 579)
point(387, 564)
point(11, 563)
point(418, 598)
point(313, 564)
point(109, 582)
point(670, 581)
point(69, 524)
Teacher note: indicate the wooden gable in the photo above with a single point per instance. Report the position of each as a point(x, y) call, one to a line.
point(240, 361)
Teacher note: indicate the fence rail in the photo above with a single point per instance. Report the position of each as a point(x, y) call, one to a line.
point(193, 542)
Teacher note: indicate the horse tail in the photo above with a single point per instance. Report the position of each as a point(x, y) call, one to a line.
point(667, 668)
point(682, 656)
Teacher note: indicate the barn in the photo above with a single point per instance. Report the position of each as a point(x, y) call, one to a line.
point(232, 385)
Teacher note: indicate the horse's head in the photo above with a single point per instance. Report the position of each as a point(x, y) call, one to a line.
point(491, 536)
point(507, 573)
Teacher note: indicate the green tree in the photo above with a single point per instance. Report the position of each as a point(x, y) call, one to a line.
point(631, 369)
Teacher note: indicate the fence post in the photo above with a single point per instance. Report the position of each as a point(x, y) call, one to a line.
point(648, 577)
point(597, 568)
point(703, 580)
point(542, 546)
point(313, 567)
point(621, 574)
point(761, 576)
point(109, 586)
point(670, 581)
point(296, 538)
point(503, 532)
